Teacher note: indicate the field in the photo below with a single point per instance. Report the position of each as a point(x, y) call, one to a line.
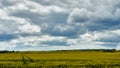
point(60, 59)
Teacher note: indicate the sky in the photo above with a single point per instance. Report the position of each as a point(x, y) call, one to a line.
point(59, 24)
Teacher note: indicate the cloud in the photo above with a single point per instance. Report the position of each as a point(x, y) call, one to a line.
point(6, 46)
point(105, 38)
point(79, 16)
point(59, 24)
point(64, 30)
point(55, 43)
point(101, 17)
point(7, 37)
point(28, 28)
point(17, 25)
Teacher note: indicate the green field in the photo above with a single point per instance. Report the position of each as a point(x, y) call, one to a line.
point(60, 59)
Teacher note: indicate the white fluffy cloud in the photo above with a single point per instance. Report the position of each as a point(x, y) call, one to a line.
point(28, 28)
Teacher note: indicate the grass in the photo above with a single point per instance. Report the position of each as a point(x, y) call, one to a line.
point(60, 59)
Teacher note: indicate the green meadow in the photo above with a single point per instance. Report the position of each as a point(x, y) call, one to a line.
point(60, 59)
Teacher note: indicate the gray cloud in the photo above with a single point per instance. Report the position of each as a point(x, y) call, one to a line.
point(55, 43)
point(7, 37)
point(79, 16)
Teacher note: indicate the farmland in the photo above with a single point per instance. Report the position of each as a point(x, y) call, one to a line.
point(60, 59)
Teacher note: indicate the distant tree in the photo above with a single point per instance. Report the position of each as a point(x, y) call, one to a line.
point(4, 51)
point(110, 50)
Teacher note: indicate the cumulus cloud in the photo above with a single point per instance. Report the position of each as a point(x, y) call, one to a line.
point(59, 24)
point(103, 16)
point(79, 16)
point(107, 38)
